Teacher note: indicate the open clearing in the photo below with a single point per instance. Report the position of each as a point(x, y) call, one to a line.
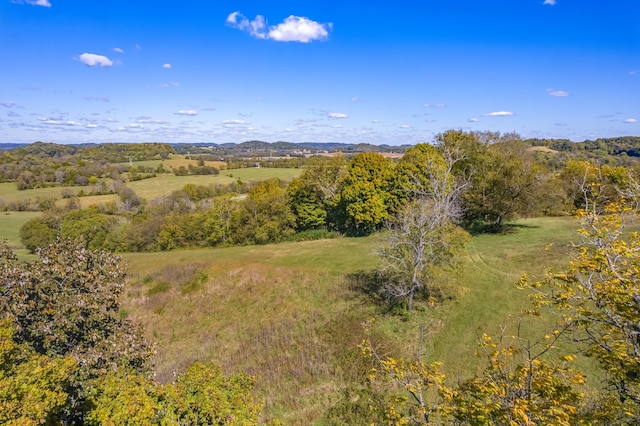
point(162, 184)
point(289, 314)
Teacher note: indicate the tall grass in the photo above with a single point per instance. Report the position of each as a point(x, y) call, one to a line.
point(288, 313)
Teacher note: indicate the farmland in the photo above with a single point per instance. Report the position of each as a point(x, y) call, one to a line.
point(273, 272)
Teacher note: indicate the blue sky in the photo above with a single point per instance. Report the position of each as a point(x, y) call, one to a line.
point(375, 72)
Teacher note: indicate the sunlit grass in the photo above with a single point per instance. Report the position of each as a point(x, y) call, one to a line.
point(10, 224)
point(288, 314)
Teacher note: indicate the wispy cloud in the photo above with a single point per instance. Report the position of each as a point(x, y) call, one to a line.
point(435, 105)
point(235, 122)
point(337, 115)
point(97, 98)
point(7, 104)
point(149, 120)
point(167, 85)
point(186, 112)
point(498, 114)
point(293, 28)
point(630, 121)
point(550, 2)
point(118, 50)
point(44, 3)
point(405, 126)
point(167, 66)
point(256, 27)
point(473, 120)
point(53, 122)
point(93, 60)
point(557, 93)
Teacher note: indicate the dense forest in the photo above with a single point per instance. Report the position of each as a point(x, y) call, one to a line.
point(61, 309)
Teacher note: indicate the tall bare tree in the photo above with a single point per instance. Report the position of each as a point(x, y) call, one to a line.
point(423, 238)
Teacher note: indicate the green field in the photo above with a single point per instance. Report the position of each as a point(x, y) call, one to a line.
point(173, 162)
point(10, 223)
point(165, 184)
point(9, 192)
point(289, 314)
point(151, 188)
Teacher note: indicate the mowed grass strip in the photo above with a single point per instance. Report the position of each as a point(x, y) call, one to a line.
point(288, 313)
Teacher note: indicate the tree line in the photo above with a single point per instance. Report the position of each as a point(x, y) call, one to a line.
point(350, 196)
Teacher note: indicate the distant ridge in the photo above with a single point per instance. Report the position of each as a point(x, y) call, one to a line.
point(10, 146)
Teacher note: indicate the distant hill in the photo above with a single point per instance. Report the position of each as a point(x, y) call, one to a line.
point(10, 146)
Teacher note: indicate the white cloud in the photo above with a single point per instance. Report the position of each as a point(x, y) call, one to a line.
point(92, 126)
point(134, 126)
point(550, 2)
point(473, 120)
point(337, 115)
point(498, 114)
point(557, 93)
point(186, 112)
point(7, 104)
point(405, 126)
point(166, 66)
point(149, 120)
point(51, 122)
point(235, 122)
point(630, 121)
point(44, 3)
point(435, 105)
point(293, 28)
point(93, 60)
point(256, 27)
point(296, 28)
point(118, 50)
point(354, 99)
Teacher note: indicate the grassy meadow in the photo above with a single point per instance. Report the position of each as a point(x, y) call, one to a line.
point(174, 162)
point(10, 223)
point(291, 315)
point(148, 189)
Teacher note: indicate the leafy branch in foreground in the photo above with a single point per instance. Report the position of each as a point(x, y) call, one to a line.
point(67, 358)
point(599, 296)
point(518, 386)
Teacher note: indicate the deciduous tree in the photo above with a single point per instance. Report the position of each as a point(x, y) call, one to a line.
point(366, 196)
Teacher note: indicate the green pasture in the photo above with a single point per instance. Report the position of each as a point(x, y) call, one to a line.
point(174, 162)
point(151, 188)
point(165, 184)
point(291, 315)
point(10, 223)
point(254, 174)
point(9, 192)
